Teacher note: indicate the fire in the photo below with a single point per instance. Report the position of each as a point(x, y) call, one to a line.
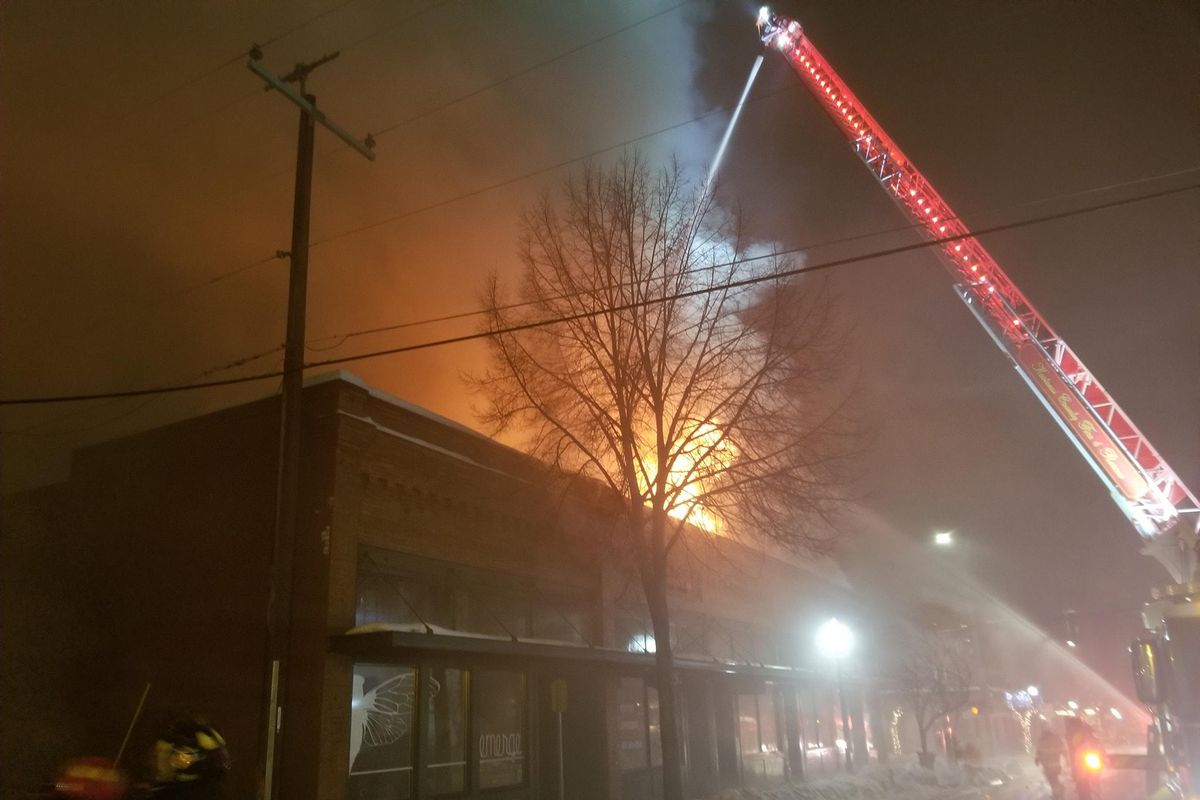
point(705, 454)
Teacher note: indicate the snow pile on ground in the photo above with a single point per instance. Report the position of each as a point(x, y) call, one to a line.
point(874, 784)
point(903, 781)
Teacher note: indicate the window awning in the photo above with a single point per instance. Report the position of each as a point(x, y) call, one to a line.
point(379, 641)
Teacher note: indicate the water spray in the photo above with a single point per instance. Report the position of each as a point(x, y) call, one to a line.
point(737, 111)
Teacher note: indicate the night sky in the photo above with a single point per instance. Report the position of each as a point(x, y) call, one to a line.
point(142, 164)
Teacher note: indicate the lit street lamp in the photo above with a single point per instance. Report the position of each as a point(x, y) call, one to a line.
point(835, 640)
point(943, 538)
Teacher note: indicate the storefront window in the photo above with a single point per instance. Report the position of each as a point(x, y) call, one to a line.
point(631, 723)
point(499, 718)
point(748, 723)
point(827, 717)
point(381, 740)
point(808, 718)
point(767, 724)
point(445, 756)
point(653, 725)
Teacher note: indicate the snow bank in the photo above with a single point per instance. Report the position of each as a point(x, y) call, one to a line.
point(896, 782)
point(875, 784)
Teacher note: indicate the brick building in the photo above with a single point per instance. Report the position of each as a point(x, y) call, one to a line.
point(452, 613)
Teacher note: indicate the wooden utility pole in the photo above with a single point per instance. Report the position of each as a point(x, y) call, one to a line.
point(279, 603)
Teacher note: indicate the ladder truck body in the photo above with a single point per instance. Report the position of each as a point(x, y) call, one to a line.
point(1161, 508)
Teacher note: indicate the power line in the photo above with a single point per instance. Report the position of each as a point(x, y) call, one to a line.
point(343, 337)
point(745, 282)
point(488, 188)
point(255, 92)
point(531, 68)
point(381, 31)
point(234, 59)
point(474, 193)
point(338, 149)
point(33, 429)
point(170, 293)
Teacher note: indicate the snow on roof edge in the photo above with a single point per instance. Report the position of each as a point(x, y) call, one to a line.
point(391, 399)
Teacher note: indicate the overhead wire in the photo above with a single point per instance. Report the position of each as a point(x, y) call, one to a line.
point(234, 59)
point(339, 148)
point(542, 323)
point(531, 68)
point(181, 290)
point(219, 277)
point(343, 337)
point(257, 92)
point(480, 190)
point(33, 430)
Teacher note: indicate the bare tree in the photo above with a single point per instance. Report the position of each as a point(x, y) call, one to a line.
point(934, 672)
point(642, 353)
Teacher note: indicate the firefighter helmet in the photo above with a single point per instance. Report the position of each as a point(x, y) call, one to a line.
point(190, 750)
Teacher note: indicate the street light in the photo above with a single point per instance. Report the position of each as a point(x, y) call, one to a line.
point(943, 538)
point(836, 641)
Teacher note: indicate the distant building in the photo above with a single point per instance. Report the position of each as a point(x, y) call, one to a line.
point(448, 602)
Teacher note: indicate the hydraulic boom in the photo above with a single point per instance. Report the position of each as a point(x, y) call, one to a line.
point(1163, 510)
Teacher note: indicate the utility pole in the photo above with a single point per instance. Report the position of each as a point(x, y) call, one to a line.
point(279, 603)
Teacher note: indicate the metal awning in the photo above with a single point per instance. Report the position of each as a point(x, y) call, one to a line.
point(392, 644)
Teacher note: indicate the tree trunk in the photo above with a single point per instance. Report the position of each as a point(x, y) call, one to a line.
point(925, 758)
point(664, 670)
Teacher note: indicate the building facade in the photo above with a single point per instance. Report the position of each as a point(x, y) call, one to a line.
point(459, 626)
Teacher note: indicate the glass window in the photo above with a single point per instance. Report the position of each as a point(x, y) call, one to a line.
point(767, 724)
point(718, 642)
point(653, 722)
point(633, 635)
point(381, 740)
point(496, 614)
point(445, 747)
point(765, 651)
point(500, 728)
point(826, 722)
point(631, 723)
point(1184, 661)
point(394, 599)
point(747, 707)
point(382, 598)
point(689, 637)
point(807, 709)
point(560, 621)
point(739, 644)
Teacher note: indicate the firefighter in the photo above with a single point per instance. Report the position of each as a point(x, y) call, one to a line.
point(1050, 751)
point(190, 762)
point(1087, 758)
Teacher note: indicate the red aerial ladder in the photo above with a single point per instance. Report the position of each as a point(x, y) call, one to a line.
point(1145, 487)
point(1164, 512)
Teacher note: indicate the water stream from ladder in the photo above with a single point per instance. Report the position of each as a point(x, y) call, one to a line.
point(737, 112)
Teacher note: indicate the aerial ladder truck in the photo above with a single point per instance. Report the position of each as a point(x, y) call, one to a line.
point(1165, 513)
